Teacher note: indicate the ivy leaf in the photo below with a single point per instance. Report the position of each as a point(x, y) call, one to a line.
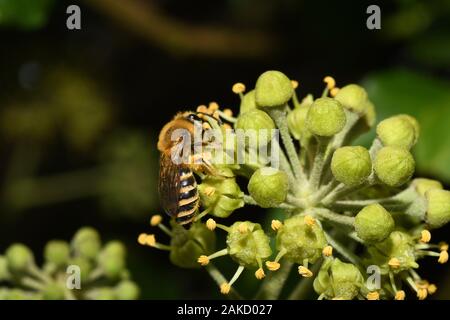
point(25, 14)
point(426, 98)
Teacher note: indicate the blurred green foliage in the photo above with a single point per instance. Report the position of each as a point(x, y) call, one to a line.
point(25, 14)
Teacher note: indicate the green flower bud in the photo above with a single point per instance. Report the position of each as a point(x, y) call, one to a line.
point(374, 223)
point(86, 242)
point(111, 264)
point(326, 117)
point(188, 245)
point(398, 246)
point(352, 97)
point(127, 290)
point(394, 166)
point(247, 243)
point(273, 89)
point(115, 248)
point(19, 257)
point(4, 272)
point(397, 131)
point(422, 185)
point(57, 252)
point(269, 187)
point(337, 279)
point(370, 115)
point(248, 102)
point(438, 212)
point(297, 122)
point(414, 123)
point(53, 291)
point(351, 165)
point(221, 195)
point(256, 120)
point(301, 240)
point(85, 267)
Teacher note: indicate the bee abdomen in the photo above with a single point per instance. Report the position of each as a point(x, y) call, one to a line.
point(188, 198)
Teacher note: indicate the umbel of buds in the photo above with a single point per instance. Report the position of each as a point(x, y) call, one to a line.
point(341, 208)
point(99, 272)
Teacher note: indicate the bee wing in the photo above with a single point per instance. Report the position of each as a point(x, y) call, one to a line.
point(169, 184)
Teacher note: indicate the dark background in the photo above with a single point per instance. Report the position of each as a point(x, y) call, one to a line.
point(81, 109)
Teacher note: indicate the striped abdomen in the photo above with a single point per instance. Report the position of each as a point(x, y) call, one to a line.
point(188, 198)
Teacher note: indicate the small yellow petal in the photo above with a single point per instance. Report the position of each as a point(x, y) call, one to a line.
point(309, 220)
point(432, 289)
point(331, 83)
point(394, 263)
point(225, 288)
point(374, 295)
point(272, 265)
point(211, 224)
point(327, 251)
point(443, 257)
point(400, 295)
point(305, 272)
point(259, 274)
point(203, 260)
point(425, 236)
point(155, 220)
point(276, 225)
point(422, 294)
point(238, 88)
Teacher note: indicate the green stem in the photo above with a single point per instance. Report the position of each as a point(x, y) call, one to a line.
point(285, 166)
point(318, 165)
point(326, 214)
point(274, 283)
point(32, 284)
point(218, 277)
point(296, 202)
point(350, 256)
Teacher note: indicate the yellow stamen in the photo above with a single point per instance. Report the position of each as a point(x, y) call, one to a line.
point(432, 289)
point(334, 92)
point(203, 260)
point(142, 238)
point(394, 263)
point(243, 228)
point(400, 295)
point(425, 236)
point(305, 272)
point(310, 221)
point(294, 84)
point(155, 220)
point(259, 274)
point(202, 108)
point(374, 295)
point(443, 257)
point(422, 294)
point(238, 88)
point(150, 240)
point(213, 106)
point(272, 265)
point(228, 112)
point(209, 191)
point(216, 115)
point(276, 225)
point(443, 246)
point(331, 83)
point(225, 288)
point(211, 224)
point(422, 284)
point(327, 251)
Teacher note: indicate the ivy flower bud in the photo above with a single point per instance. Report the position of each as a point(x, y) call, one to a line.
point(422, 185)
point(374, 223)
point(57, 252)
point(268, 186)
point(438, 211)
point(188, 245)
point(85, 267)
point(258, 122)
point(394, 166)
point(296, 120)
point(301, 240)
point(337, 279)
point(86, 242)
point(248, 102)
point(351, 165)
point(4, 272)
point(126, 290)
point(397, 131)
point(325, 117)
point(273, 89)
point(352, 97)
point(221, 195)
point(19, 257)
point(248, 248)
point(53, 291)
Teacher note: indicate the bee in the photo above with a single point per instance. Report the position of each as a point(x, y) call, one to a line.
point(177, 184)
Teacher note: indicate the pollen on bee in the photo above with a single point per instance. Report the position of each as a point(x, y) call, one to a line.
point(305, 272)
point(425, 236)
point(238, 88)
point(206, 126)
